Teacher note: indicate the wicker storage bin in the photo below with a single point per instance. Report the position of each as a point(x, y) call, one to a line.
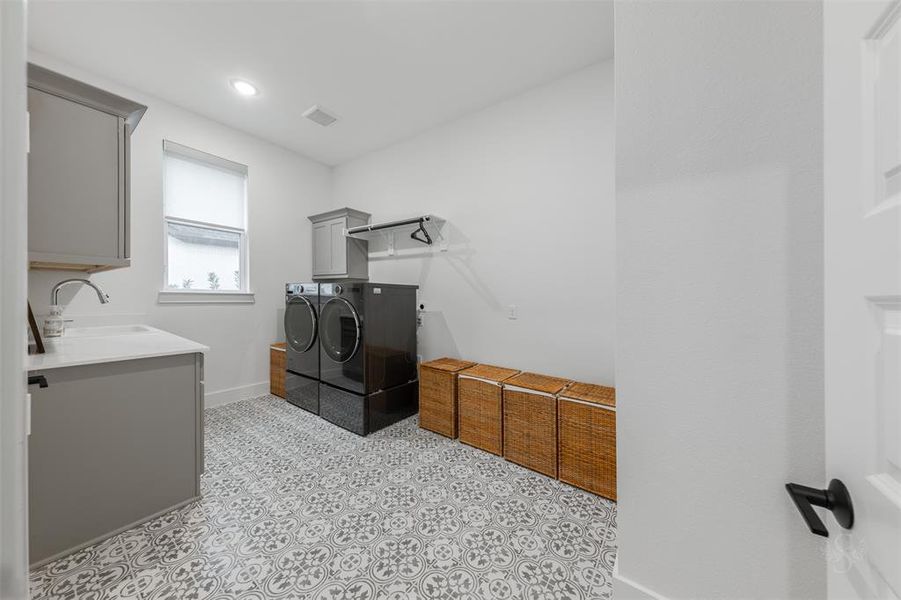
point(586, 416)
point(438, 395)
point(277, 369)
point(530, 421)
point(480, 401)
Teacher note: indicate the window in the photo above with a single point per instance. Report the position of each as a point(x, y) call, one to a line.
point(205, 220)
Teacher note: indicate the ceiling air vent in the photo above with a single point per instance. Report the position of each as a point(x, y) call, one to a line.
point(320, 116)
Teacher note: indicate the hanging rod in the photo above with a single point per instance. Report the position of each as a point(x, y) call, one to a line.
point(421, 221)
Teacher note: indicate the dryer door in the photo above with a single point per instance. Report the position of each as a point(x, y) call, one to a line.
point(339, 330)
point(300, 324)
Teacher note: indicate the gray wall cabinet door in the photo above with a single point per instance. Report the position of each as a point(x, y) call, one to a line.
point(336, 256)
point(322, 249)
point(112, 445)
point(78, 173)
point(329, 252)
point(329, 247)
point(73, 178)
point(339, 246)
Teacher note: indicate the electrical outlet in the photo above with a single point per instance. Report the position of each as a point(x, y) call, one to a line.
point(512, 312)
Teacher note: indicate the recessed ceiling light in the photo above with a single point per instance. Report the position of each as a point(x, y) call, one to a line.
point(245, 88)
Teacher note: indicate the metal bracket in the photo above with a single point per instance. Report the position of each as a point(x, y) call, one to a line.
point(389, 238)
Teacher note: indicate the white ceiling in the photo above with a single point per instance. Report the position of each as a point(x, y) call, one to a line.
point(388, 69)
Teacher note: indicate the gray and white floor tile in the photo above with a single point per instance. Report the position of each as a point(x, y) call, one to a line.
point(296, 508)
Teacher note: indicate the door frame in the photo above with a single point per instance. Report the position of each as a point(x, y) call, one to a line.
point(13, 295)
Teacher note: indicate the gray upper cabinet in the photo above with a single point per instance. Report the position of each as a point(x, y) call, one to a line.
point(78, 174)
point(334, 255)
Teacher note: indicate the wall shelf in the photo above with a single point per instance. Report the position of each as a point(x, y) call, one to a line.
point(424, 229)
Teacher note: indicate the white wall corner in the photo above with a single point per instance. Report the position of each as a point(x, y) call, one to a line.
point(235, 394)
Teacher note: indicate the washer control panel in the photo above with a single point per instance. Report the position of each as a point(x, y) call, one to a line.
point(294, 289)
point(345, 288)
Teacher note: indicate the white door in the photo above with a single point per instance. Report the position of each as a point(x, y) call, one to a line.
point(862, 161)
point(13, 261)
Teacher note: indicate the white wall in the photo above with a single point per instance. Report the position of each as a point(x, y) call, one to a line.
point(527, 188)
point(13, 229)
point(719, 347)
point(283, 188)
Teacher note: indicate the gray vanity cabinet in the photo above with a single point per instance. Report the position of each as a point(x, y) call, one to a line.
point(336, 256)
point(111, 445)
point(78, 174)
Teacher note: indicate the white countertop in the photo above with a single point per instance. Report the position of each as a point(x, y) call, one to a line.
point(92, 345)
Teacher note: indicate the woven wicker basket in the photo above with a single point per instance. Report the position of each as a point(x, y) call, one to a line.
point(530, 421)
point(438, 395)
point(277, 369)
point(587, 430)
point(480, 400)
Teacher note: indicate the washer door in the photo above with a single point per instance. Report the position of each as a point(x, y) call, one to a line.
point(339, 330)
point(300, 324)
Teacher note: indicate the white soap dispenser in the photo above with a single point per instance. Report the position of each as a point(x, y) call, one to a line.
point(54, 324)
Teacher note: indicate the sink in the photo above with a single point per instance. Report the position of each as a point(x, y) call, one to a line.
point(106, 331)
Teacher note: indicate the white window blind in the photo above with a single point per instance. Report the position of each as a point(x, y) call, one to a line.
point(202, 192)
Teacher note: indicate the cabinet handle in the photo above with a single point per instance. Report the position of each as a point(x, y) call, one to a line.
point(38, 380)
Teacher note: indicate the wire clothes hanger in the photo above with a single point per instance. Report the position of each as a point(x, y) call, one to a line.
point(415, 234)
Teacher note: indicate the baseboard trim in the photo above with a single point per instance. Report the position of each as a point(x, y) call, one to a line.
point(235, 394)
point(36, 565)
point(626, 589)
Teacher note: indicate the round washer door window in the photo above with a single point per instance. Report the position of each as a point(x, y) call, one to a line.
point(339, 330)
point(300, 324)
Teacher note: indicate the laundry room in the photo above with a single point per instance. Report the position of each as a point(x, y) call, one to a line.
point(283, 256)
point(450, 299)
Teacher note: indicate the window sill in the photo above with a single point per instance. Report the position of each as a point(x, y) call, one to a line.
point(204, 297)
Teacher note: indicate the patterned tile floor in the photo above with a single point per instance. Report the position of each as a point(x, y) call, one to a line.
point(294, 507)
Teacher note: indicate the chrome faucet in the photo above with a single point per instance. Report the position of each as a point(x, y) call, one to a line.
point(54, 294)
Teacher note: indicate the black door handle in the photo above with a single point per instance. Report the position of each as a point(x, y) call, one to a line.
point(834, 498)
point(37, 380)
